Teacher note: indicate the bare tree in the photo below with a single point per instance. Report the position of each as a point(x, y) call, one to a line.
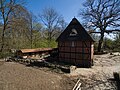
point(63, 24)
point(6, 7)
point(50, 19)
point(24, 26)
point(32, 21)
point(20, 25)
point(101, 14)
point(116, 44)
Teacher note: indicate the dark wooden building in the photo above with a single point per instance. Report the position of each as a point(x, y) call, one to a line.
point(75, 45)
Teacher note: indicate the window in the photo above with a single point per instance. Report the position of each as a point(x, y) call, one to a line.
point(73, 44)
point(73, 33)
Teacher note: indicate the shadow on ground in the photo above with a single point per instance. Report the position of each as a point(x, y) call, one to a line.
point(116, 83)
point(53, 66)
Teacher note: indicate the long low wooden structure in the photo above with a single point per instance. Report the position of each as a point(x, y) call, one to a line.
point(34, 53)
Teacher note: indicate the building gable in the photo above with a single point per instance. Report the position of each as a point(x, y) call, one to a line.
point(74, 31)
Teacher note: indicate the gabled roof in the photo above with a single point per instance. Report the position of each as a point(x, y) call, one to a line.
point(74, 31)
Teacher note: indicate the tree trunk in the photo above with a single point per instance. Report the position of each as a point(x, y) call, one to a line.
point(49, 42)
point(100, 42)
point(49, 39)
point(2, 39)
point(31, 39)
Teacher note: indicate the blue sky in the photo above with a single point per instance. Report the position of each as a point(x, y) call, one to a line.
point(67, 8)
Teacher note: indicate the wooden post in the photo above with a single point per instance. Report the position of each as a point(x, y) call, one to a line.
point(116, 75)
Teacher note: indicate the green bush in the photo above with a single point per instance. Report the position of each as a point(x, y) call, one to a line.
point(5, 54)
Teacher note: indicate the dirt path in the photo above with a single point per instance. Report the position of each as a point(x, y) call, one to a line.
point(102, 63)
point(14, 76)
point(97, 77)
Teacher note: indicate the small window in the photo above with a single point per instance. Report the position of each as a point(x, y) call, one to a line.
point(73, 32)
point(73, 44)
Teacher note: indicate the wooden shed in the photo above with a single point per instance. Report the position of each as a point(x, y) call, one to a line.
point(75, 45)
point(34, 53)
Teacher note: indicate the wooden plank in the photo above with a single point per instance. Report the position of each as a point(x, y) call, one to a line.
point(79, 43)
point(77, 85)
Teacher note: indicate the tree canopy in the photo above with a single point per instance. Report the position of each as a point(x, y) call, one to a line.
point(101, 15)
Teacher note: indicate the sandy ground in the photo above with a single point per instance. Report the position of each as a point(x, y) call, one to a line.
point(15, 76)
point(97, 77)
